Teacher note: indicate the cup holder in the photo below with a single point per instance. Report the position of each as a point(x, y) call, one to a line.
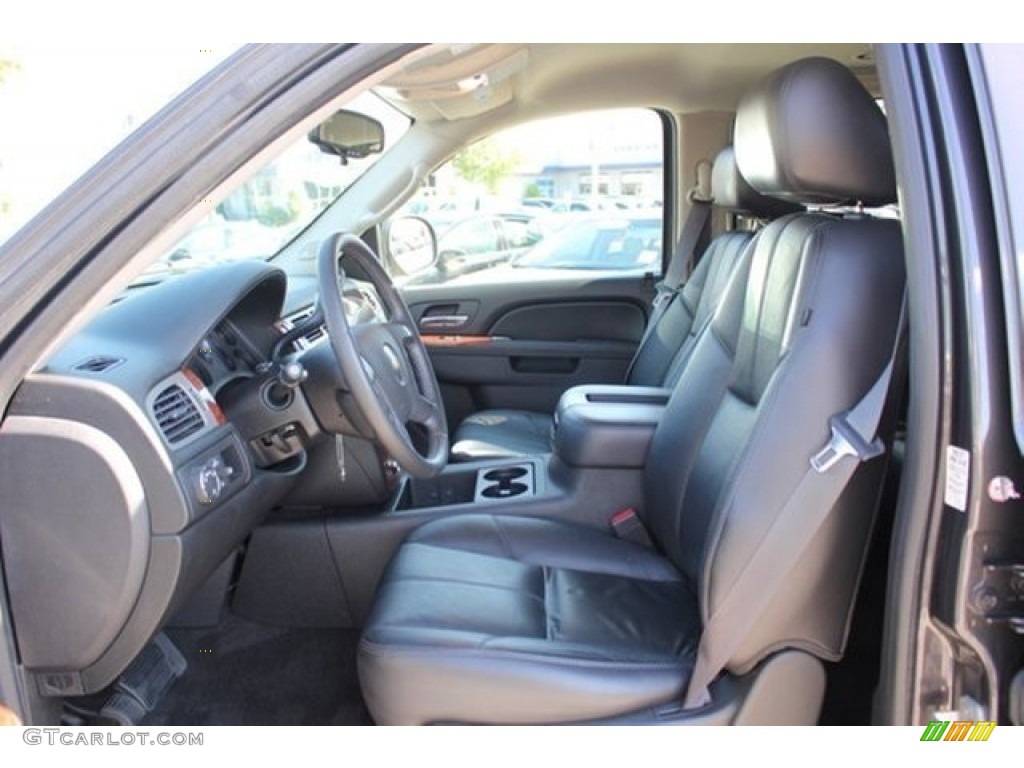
point(505, 475)
point(504, 490)
point(504, 482)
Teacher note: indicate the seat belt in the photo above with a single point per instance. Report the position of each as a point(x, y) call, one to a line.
point(692, 241)
point(854, 440)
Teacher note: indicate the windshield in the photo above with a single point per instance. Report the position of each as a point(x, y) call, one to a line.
point(277, 203)
point(65, 107)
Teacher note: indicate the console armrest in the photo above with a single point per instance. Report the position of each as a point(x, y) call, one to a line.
point(607, 425)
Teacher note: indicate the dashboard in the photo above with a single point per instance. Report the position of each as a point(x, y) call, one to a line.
point(141, 455)
point(223, 355)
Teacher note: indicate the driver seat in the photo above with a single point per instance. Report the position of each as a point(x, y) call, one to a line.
point(499, 618)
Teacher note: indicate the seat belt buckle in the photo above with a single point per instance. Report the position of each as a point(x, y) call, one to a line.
point(628, 526)
point(845, 441)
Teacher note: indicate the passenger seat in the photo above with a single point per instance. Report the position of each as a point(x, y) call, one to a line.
point(668, 341)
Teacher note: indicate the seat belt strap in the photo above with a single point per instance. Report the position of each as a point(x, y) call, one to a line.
point(693, 239)
point(694, 233)
point(854, 440)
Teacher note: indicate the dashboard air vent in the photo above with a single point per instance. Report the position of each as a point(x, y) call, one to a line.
point(314, 335)
point(303, 341)
point(176, 414)
point(99, 363)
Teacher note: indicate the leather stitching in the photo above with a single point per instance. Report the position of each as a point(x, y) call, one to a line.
point(461, 583)
point(550, 630)
point(506, 542)
point(625, 664)
point(642, 558)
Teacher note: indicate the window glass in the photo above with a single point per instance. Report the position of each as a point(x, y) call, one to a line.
point(546, 200)
point(65, 108)
point(277, 203)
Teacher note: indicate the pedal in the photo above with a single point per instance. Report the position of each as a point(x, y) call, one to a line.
point(144, 683)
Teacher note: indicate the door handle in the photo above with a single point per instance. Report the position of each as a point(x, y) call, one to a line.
point(442, 322)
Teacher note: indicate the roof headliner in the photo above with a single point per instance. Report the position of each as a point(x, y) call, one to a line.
point(446, 82)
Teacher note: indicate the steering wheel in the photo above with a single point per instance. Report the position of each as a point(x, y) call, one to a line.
point(385, 364)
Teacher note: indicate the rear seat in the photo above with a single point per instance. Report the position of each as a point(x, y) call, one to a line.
point(666, 346)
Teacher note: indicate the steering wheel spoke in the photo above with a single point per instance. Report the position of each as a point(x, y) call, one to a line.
point(402, 332)
point(398, 420)
point(425, 413)
point(385, 364)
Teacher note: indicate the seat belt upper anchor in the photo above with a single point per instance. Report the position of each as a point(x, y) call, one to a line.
point(845, 441)
point(664, 294)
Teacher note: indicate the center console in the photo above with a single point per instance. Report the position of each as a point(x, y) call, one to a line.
point(595, 470)
point(517, 479)
point(608, 426)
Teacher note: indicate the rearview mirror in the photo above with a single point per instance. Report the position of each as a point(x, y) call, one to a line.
point(349, 135)
point(411, 244)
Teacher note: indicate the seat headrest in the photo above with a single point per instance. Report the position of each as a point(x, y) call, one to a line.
point(811, 133)
point(732, 192)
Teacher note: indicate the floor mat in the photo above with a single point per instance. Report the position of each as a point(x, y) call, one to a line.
point(242, 673)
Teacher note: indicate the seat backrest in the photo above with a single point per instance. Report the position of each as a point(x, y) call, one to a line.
point(666, 346)
point(804, 329)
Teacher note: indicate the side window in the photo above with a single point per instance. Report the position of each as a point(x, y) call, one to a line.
point(470, 244)
point(546, 200)
point(474, 235)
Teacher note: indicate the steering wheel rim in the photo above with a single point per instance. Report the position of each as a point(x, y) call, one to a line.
point(385, 365)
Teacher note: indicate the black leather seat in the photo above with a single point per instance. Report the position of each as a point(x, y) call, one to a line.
point(665, 348)
point(560, 616)
point(505, 619)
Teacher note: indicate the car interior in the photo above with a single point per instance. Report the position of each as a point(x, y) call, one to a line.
point(302, 491)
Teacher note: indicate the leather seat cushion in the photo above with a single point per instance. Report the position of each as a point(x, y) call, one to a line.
point(502, 433)
point(501, 619)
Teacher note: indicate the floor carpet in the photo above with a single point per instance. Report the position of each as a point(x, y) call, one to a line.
point(242, 673)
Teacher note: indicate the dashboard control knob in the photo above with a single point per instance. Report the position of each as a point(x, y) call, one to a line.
point(291, 374)
point(211, 478)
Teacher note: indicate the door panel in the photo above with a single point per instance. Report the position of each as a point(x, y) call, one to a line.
point(573, 321)
point(562, 297)
point(520, 346)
